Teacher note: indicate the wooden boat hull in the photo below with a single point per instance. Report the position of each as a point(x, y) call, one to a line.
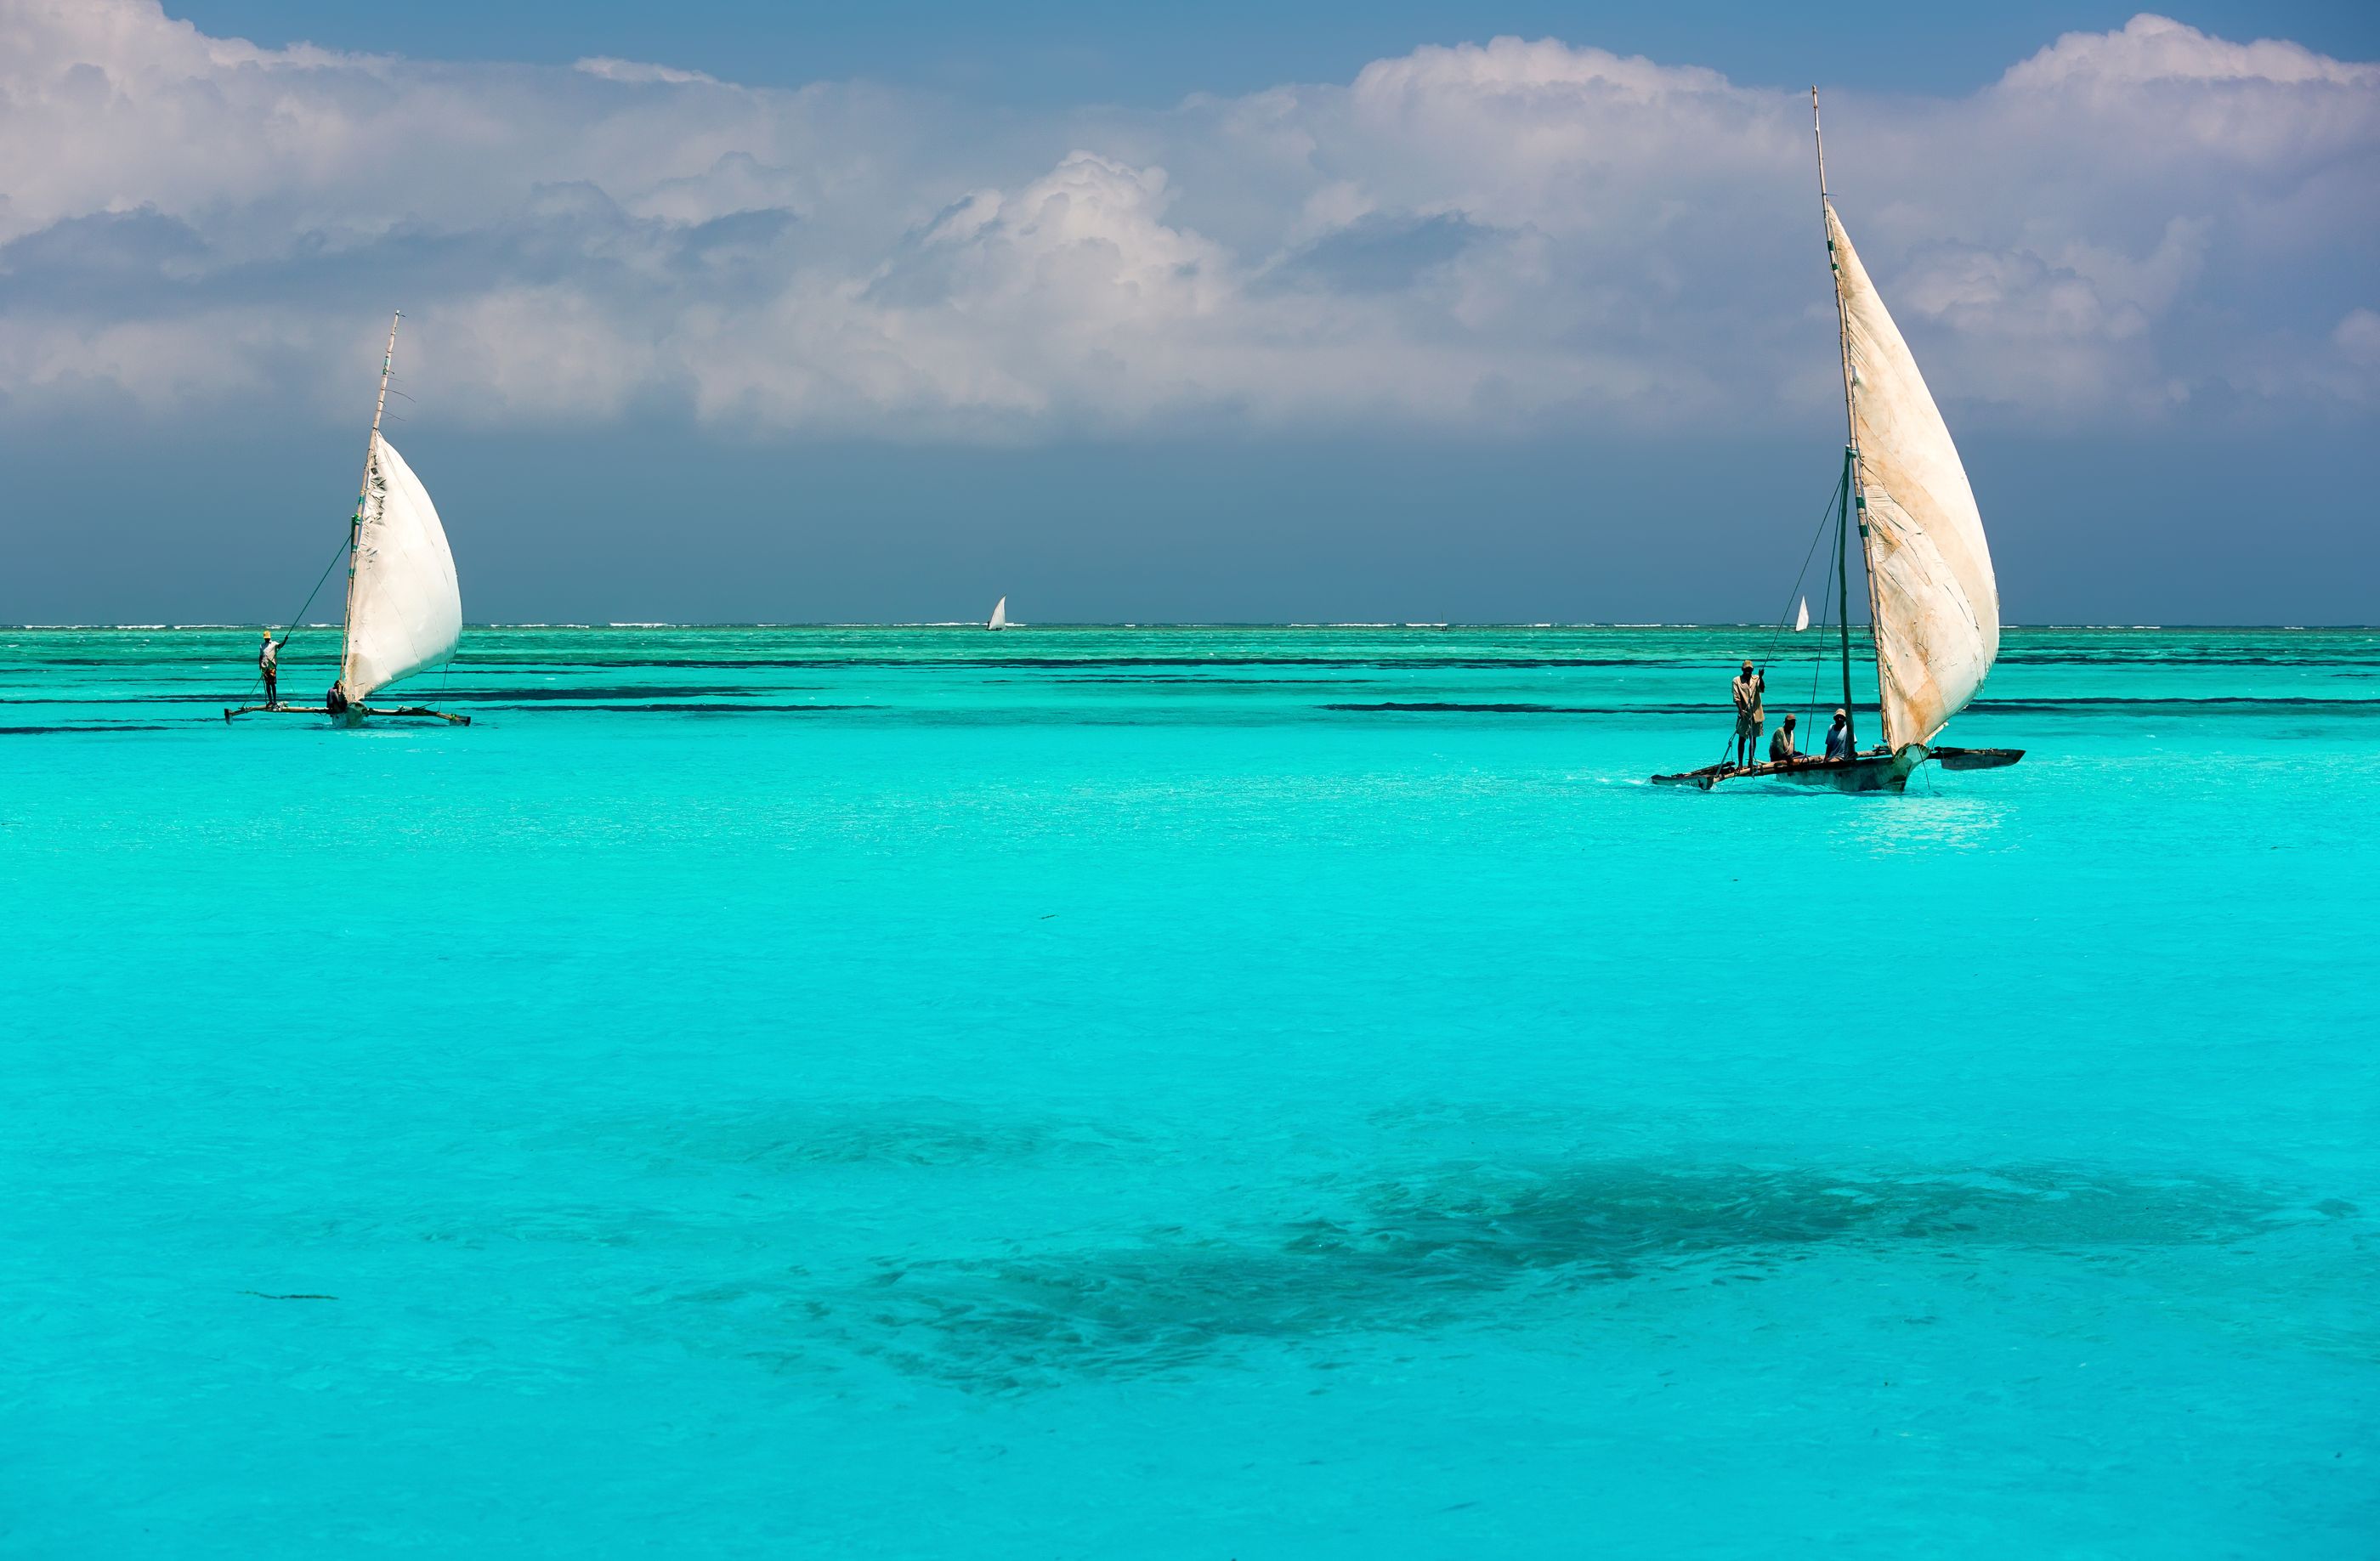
point(1877, 772)
point(352, 715)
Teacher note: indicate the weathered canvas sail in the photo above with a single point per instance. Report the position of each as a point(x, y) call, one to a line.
point(405, 612)
point(1937, 605)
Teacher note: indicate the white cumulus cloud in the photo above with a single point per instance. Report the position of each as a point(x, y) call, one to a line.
point(1512, 235)
point(638, 72)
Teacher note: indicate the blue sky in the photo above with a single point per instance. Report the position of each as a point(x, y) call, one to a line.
point(1081, 51)
point(1409, 312)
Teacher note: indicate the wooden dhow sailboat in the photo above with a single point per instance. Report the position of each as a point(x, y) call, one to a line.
point(1933, 602)
point(405, 608)
point(999, 619)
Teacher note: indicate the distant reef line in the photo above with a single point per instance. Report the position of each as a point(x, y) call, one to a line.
point(1385, 626)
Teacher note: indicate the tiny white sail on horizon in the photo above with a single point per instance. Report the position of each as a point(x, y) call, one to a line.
point(405, 609)
point(999, 619)
point(1801, 620)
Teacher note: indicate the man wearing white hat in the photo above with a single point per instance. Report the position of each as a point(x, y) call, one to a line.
point(1838, 736)
point(268, 661)
point(1751, 715)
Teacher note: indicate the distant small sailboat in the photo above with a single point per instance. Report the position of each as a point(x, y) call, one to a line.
point(999, 619)
point(1802, 619)
point(1933, 601)
point(404, 606)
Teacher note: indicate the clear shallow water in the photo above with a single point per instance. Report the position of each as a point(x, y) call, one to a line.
point(1106, 1092)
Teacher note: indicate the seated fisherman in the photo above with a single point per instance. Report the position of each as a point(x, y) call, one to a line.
point(1781, 747)
point(1838, 736)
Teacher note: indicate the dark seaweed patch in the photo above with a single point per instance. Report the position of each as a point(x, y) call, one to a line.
point(87, 726)
point(481, 691)
point(1425, 1251)
point(1435, 705)
point(1417, 706)
point(663, 707)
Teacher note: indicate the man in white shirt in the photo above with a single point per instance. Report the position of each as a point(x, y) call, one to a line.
point(268, 661)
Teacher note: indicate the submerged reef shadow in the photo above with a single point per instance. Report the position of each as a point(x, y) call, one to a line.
point(1433, 1249)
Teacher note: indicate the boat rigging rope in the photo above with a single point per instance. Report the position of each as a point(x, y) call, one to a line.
point(299, 617)
point(1790, 597)
point(1833, 499)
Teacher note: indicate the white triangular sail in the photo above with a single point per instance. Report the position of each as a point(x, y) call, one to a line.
point(1802, 619)
point(999, 619)
point(1937, 605)
point(406, 610)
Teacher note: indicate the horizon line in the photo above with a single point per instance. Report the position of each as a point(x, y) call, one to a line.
point(978, 624)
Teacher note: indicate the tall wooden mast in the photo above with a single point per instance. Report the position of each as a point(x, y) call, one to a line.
point(363, 494)
point(1854, 496)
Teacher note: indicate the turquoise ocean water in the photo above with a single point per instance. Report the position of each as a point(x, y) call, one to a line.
point(1202, 1093)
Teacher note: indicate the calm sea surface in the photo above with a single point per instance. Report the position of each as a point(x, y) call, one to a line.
point(1205, 1093)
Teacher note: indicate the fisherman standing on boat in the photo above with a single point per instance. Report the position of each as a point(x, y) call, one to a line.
point(268, 661)
point(1751, 715)
point(1838, 736)
point(1781, 747)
